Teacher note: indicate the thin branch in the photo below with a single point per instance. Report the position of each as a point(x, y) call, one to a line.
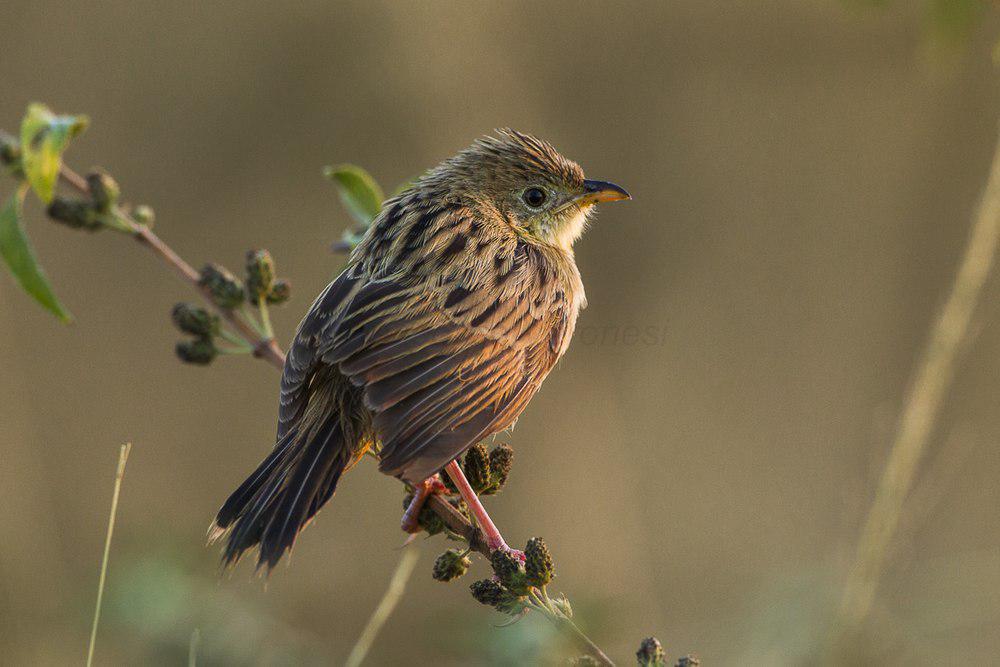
point(119, 475)
point(385, 607)
point(923, 403)
point(265, 348)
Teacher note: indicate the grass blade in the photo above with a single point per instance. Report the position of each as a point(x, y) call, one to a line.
point(119, 474)
point(385, 606)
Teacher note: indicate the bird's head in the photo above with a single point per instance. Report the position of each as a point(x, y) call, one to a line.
point(527, 185)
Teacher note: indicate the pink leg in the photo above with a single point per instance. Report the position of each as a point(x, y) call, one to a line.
point(494, 540)
point(409, 523)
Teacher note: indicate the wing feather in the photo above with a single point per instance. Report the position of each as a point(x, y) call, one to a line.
point(441, 367)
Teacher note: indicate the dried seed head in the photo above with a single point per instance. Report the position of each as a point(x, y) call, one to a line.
point(487, 592)
point(199, 351)
point(450, 565)
point(193, 319)
point(477, 467)
point(688, 661)
point(74, 213)
point(225, 288)
point(509, 571)
point(650, 653)
point(501, 460)
point(104, 191)
point(280, 292)
point(538, 562)
point(260, 274)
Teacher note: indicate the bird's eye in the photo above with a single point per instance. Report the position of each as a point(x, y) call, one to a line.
point(534, 197)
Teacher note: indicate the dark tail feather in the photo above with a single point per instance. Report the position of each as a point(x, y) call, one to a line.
point(277, 501)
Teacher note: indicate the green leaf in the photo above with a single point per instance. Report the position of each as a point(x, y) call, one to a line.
point(358, 191)
point(20, 259)
point(44, 138)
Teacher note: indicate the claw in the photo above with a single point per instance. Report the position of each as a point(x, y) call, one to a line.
point(410, 523)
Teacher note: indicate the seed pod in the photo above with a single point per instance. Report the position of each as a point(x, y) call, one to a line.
point(450, 565)
point(260, 274)
point(650, 653)
point(538, 562)
point(225, 288)
point(487, 592)
point(280, 292)
point(193, 319)
point(74, 213)
point(501, 460)
point(688, 661)
point(200, 351)
point(104, 191)
point(477, 467)
point(509, 571)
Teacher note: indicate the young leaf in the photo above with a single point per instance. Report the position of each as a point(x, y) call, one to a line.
point(20, 259)
point(358, 191)
point(44, 138)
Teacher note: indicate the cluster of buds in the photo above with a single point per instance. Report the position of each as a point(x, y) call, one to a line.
point(452, 564)
point(516, 585)
point(225, 289)
point(487, 471)
point(203, 327)
point(651, 654)
point(97, 211)
point(262, 283)
point(261, 286)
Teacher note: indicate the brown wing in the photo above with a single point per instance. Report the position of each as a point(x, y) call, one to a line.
point(302, 360)
point(443, 367)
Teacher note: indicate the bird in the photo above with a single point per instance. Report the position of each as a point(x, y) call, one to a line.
point(457, 302)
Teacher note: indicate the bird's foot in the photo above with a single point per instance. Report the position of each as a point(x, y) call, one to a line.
point(410, 522)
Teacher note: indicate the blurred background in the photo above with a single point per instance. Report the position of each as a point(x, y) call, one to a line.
point(804, 175)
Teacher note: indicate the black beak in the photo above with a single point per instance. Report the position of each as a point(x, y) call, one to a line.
point(599, 191)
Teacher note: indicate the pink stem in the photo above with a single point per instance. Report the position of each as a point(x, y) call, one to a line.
point(494, 540)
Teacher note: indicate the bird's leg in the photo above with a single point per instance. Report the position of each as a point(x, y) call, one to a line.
point(494, 540)
point(409, 523)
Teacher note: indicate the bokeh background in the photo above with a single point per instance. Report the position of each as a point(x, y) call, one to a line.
point(804, 175)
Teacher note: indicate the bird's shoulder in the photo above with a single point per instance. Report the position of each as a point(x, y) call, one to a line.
point(470, 264)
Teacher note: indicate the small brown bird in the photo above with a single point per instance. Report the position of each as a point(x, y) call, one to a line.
point(452, 310)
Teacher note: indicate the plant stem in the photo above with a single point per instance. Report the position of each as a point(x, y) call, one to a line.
point(265, 348)
point(931, 381)
point(230, 337)
point(385, 606)
point(119, 475)
point(193, 646)
point(265, 317)
point(570, 628)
